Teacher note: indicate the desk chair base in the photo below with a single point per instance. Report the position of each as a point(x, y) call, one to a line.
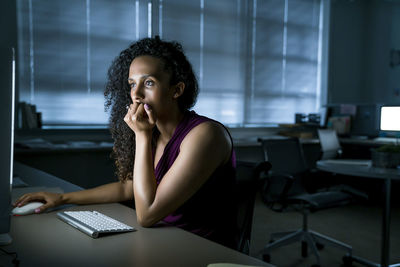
point(309, 238)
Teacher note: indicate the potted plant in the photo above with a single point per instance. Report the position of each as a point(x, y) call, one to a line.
point(386, 156)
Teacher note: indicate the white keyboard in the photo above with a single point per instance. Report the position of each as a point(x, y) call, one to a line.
point(93, 223)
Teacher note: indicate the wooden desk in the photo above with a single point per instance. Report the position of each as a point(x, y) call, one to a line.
point(366, 170)
point(45, 240)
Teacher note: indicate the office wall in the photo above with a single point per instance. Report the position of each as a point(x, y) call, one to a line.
point(8, 24)
point(362, 33)
point(346, 52)
point(394, 73)
point(380, 78)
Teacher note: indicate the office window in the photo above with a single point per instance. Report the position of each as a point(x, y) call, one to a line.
point(213, 43)
point(65, 49)
point(285, 60)
point(257, 62)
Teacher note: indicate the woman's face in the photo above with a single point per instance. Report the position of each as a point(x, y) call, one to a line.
point(150, 83)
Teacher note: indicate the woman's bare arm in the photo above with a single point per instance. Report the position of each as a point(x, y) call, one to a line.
point(205, 148)
point(113, 192)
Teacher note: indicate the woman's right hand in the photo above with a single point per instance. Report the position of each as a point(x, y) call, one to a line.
point(50, 200)
point(140, 118)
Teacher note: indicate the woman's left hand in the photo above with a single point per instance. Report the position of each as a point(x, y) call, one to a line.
point(140, 118)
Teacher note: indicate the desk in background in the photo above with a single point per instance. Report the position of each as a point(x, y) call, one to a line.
point(44, 240)
point(361, 147)
point(365, 169)
point(84, 163)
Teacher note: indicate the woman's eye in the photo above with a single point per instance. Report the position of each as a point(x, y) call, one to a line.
point(132, 85)
point(149, 83)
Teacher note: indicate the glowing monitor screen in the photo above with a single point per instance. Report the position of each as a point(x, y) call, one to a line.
point(390, 118)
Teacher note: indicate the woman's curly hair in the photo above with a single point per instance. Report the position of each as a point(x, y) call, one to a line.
point(117, 93)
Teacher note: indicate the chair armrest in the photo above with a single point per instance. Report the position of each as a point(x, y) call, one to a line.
point(263, 167)
point(276, 191)
point(256, 167)
point(287, 176)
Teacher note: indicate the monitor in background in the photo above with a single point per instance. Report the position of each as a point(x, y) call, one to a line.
point(366, 121)
point(7, 101)
point(390, 118)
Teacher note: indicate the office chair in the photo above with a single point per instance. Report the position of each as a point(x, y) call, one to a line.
point(250, 170)
point(331, 149)
point(330, 145)
point(284, 190)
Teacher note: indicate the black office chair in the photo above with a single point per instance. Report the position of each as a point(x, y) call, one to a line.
point(284, 190)
point(250, 170)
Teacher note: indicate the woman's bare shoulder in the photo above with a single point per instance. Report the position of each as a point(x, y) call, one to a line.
point(209, 130)
point(211, 135)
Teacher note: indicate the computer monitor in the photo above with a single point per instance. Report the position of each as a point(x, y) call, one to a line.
point(390, 118)
point(7, 109)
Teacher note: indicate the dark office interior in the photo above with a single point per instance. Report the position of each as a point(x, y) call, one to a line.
point(267, 69)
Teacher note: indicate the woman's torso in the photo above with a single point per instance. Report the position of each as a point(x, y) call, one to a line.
point(209, 212)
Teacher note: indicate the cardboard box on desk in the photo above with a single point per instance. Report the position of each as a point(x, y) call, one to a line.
point(298, 130)
point(340, 124)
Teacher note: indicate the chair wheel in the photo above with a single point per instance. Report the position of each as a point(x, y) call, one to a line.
point(271, 241)
point(267, 258)
point(347, 261)
point(319, 246)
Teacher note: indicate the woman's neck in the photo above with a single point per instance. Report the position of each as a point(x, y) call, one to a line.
point(167, 126)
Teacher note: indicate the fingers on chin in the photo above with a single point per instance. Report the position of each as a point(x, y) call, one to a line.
point(134, 106)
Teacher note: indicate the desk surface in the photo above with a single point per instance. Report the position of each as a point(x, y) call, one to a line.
point(45, 240)
point(361, 168)
point(378, 141)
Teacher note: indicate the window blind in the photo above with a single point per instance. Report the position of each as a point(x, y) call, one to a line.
point(257, 61)
point(65, 49)
point(285, 57)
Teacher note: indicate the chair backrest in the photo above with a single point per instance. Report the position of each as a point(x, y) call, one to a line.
point(285, 155)
point(250, 153)
point(250, 167)
point(330, 145)
point(287, 171)
point(247, 185)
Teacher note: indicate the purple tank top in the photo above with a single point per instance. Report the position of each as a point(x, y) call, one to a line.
point(210, 212)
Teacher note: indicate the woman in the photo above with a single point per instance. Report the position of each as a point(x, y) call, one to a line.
point(176, 165)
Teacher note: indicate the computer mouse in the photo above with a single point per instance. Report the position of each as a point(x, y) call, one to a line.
point(27, 209)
